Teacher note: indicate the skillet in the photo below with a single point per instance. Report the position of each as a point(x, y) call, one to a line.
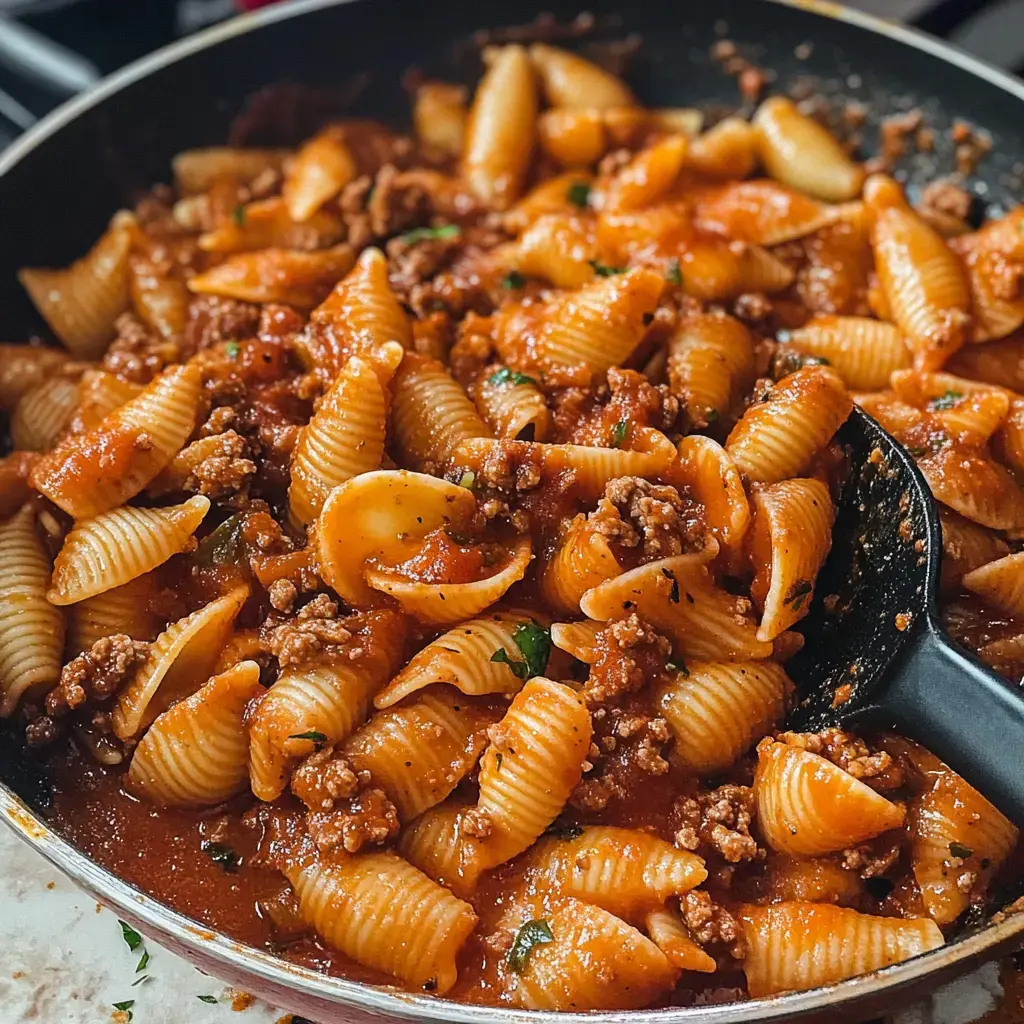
point(61, 181)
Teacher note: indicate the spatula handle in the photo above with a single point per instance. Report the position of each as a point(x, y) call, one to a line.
point(945, 698)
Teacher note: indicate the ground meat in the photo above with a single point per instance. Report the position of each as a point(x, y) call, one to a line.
point(314, 631)
point(282, 595)
point(874, 859)
point(630, 654)
point(947, 197)
point(592, 416)
point(972, 145)
point(86, 681)
point(368, 818)
point(391, 202)
point(711, 925)
point(411, 263)
point(633, 510)
point(212, 319)
point(896, 132)
point(137, 354)
point(753, 307)
point(877, 769)
point(224, 476)
point(323, 779)
point(718, 821)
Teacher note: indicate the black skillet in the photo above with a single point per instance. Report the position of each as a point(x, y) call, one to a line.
point(56, 195)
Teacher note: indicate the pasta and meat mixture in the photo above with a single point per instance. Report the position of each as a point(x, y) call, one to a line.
point(403, 548)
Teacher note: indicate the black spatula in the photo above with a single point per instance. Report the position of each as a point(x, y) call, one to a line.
point(876, 655)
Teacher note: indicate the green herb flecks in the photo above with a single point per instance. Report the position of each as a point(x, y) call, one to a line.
point(222, 546)
point(534, 643)
point(231, 349)
point(961, 851)
point(131, 937)
point(603, 270)
point(797, 594)
point(509, 376)
point(238, 215)
point(125, 1006)
point(567, 830)
point(947, 400)
point(619, 432)
point(222, 855)
point(207, 999)
point(513, 281)
point(579, 194)
point(467, 480)
point(674, 274)
point(532, 934)
point(143, 963)
point(440, 233)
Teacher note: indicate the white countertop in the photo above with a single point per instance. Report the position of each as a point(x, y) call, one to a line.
point(63, 961)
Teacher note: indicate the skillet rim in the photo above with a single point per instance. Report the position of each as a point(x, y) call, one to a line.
point(189, 937)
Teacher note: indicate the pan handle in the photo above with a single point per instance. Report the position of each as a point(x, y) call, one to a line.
point(964, 713)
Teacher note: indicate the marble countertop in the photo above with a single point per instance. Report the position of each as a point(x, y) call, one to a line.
point(63, 960)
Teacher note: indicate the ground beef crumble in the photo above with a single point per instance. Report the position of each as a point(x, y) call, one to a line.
point(718, 822)
point(876, 769)
point(314, 631)
point(136, 354)
point(630, 655)
point(634, 511)
point(225, 475)
point(212, 319)
point(871, 860)
point(712, 925)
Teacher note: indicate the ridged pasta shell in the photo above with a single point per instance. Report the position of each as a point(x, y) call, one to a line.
point(444, 603)
point(22, 367)
point(777, 439)
point(288, 276)
point(600, 325)
point(798, 151)
point(864, 352)
point(560, 975)
point(571, 81)
point(647, 178)
point(714, 268)
point(532, 766)
point(434, 844)
point(581, 561)
point(343, 438)
point(267, 224)
point(160, 298)
point(974, 485)
point(550, 196)
point(501, 128)
point(462, 658)
point(808, 806)
point(99, 394)
point(177, 663)
point(969, 412)
point(116, 547)
point(666, 930)
point(514, 410)
point(679, 598)
point(127, 609)
point(419, 752)
point(729, 149)
point(996, 362)
point(711, 476)
point(196, 754)
point(318, 172)
point(966, 546)
point(383, 913)
point(1000, 583)
point(578, 639)
point(620, 869)
point(31, 629)
point(43, 414)
point(365, 517)
point(439, 115)
point(717, 710)
point(431, 414)
point(791, 538)
point(809, 880)
point(797, 946)
point(91, 473)
point(81, 302)
point(198, 170)
point(559, 248)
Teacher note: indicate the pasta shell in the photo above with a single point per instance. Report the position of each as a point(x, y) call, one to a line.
point(559, 975)
point(797, 946)
point(14, 486)
point(1010, 436)
point(777, 439)
point(532, 766)
point(439, 116)
point(344, 437)
point(600, 325)
point(159, 298)
point(117, 547)
point(268, 224)
point(288, 276)
point(649, 175)
point(571, 81)
point(791, 538)
point(463, 658)
point(383, 913)
point(578, 639)
point(358, 318)
point(501, 129)
point(552, 196)
point(366, 517)
point(317, 173)
point(434, 844)
point(571, 137)
point(82, 301)
point(431, 414)
point(717, 710)
point(996, 362)
point(666, 930)
point(727, 150)
point(808, 806)
point(924, 285)
point(965, 546)
point(22, 367)
point(864, 352)
point(93, 472)
point(974, 485)
point(43, 414)
point(678, 597)
point(99, 394)
point(419, 752)
point(624, 871)
point(1000, 583)
point(444, 603)
point(969, 412)
point(198, 170)
point(711, 476)
point(799, 152)
point(196, 754)
point(580, 562)
point(514, 410)
point(31, 629)
point(559, 248)
point(180, 658)
point(127, 609)
point(810, 880)
point(714, 268)
point(761, 211)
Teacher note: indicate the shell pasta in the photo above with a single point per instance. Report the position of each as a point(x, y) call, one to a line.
point(404, 538)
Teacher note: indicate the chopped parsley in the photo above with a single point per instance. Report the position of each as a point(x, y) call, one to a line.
point(961, 851)
point(603, 270)
point(125, 1006)
point(711, 415)
point(534, 643)
point(946, 400)
point(797, 594)
point(207, 999)
point(222, 546)
point(143, 963)
point(131, 937)
point(139, 980)
point(532, 934)
point(674, 274)
point(316, 737)
point(467, 480)
point(619, 432)
point(513, 280)
point(223, 855)
point(425, 234)
point(239, 215)
point(567, 830)
point(508, 376)
point(917, 451)
point(231, 349)
point(677, 666)
point(579, 194)
point(673, 594)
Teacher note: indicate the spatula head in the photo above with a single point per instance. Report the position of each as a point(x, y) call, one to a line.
point(877, 584)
